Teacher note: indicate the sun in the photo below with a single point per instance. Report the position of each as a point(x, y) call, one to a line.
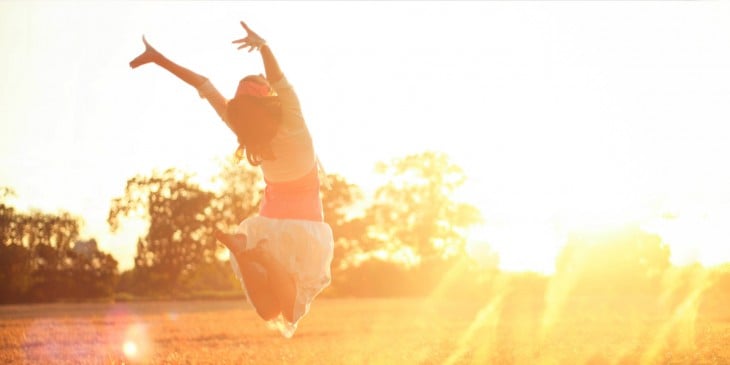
point(528, 227)
point(519, 246)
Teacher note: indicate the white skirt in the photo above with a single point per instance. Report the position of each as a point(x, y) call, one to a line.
point(305, 250)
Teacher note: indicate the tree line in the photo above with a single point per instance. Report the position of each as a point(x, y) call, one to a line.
point(42, 260)
point(408, 239)
point(412, 216)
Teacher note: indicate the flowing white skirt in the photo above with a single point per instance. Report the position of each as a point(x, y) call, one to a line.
point(303, 247)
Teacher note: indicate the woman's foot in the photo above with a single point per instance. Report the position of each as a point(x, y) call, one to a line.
point(150, 54)
point(236, 243)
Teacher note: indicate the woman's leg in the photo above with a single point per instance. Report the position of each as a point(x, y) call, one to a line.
point(258, 286)
point(270, 287)
point(282, 283)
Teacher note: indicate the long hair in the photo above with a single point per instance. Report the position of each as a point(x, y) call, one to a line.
point(255, 121)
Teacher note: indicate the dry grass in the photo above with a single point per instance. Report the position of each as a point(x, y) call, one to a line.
point(506, 330)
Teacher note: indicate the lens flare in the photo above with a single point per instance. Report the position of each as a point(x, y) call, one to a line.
point(679, 328)
point(130, 349)
point(136, 344)
point(483, 329)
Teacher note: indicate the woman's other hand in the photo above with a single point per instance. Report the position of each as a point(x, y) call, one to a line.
point(150, 54)
point(252, 40)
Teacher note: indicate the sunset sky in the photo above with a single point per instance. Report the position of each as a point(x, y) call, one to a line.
point(563, 115)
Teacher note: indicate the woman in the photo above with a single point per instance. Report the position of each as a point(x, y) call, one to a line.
point(282, 256)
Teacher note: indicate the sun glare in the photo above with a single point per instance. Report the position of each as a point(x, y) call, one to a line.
point(130, 349)
point(137, 344)
point(528, 228)
point(520, 246)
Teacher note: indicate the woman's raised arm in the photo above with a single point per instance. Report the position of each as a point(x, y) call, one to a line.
point(254, 41)
point(199, 82)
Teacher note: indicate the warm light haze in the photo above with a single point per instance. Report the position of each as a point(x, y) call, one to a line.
point(563, 115)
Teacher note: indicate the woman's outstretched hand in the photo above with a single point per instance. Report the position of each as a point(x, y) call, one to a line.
point(252, 40)
point(150, 54)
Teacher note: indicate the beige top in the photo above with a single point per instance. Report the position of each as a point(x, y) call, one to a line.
point(292, 144)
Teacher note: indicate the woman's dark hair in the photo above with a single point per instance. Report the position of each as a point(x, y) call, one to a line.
point(255, 120)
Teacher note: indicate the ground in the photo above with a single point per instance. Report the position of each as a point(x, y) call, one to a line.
point(353, 331)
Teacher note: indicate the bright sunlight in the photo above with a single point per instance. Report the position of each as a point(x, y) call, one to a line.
point(494, 182)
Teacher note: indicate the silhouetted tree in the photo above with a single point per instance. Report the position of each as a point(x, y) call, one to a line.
point(38, 260)
point(375, 277)
point(623, 260)
point(94, 273)
point(49, 239)
point(14, 257)
point(415, 210)
point(7, 217)
point(179, 238)
point(348, 228)
point(239, 197)
point(15, 272)
point(414, 213)
point(715, 299)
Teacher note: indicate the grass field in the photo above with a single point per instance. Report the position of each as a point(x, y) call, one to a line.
point(357, 331)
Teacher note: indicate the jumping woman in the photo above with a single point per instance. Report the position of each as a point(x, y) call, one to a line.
point(282, 255)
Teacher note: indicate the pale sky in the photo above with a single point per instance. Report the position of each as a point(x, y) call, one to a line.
point(562, 114)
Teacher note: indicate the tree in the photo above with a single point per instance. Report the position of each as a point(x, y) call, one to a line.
point(348, 229)
point(14, 272)
point(622, 260)
point(413, 216)
point(374, 277)
point(39, 259)
point(179, 238)
point(93, 273)
point(7, 217)
point(179, 251)
point(14, 257)
point(49, 239)
point(715, 298)
point(37, 228)
point(414, 210)
point(240, 194)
